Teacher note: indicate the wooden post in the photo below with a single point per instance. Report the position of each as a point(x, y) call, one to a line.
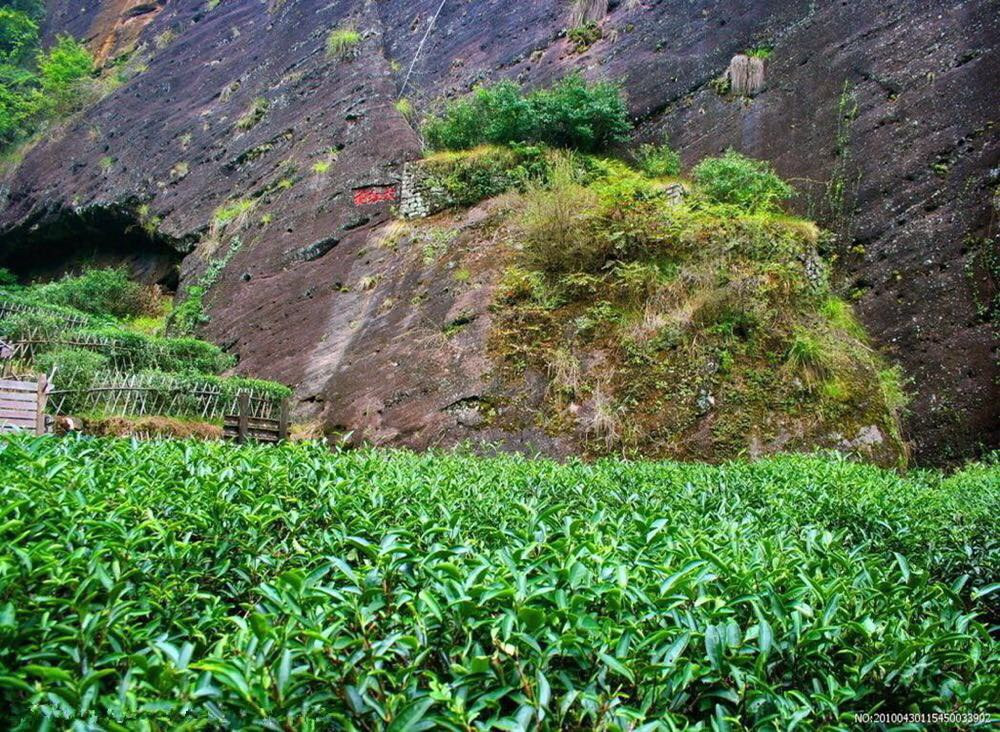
point(243, 402)
point(40, 407)
point(283, 421)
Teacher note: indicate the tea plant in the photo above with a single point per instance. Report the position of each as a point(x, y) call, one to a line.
point(193, 585)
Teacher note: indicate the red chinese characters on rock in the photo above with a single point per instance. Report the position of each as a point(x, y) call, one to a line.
point(374, 194)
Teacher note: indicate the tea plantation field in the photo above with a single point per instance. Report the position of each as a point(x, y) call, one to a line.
point(184, 585)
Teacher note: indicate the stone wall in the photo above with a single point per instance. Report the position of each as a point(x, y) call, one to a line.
point(419, 196)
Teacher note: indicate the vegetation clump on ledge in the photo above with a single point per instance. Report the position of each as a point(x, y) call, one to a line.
point(571, 114)
point(341, 43)
point(466, 177)
point(701, 327)
point(673, 317)
point(168, 584)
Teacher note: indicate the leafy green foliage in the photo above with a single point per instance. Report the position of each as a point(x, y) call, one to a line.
point(658, 161)
point(18, 36)
point(572, 114)
point(60, 68)
point(697, 308)
point(34, 9)
point(136, 351)
point(763, 52)
point(169, 584)
point(254, 114)
point(98, 349)
point(807, 355)
point(72, 369)
point(107, 291)
point(20, 98)
point(737, 180)
point(189, 314)
point(35, 86)
point(584, 36)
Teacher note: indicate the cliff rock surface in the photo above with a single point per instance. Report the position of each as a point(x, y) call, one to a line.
point(244, 144)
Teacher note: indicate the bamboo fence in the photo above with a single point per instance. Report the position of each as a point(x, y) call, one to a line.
point(139, 395)
point(9, 308)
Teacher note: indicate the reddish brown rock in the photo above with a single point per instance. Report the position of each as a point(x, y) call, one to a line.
point(895, 102)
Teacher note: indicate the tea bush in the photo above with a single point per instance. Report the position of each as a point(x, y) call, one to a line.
point(572, 114)
point(107, 292)
point(167, 585)
point(75, 369)
point(136, 351)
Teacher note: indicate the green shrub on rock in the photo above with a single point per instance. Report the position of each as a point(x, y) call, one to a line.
point(737, 180)
point(189, 314)
point(573, 114)
point(658, 161)
point(18, 35)
point(467, 177)
point(136, 351)
point(60, 69)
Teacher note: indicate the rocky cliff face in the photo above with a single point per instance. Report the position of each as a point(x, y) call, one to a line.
point(243, 142)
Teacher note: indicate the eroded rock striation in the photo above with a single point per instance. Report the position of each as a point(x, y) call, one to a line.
point(883, 114)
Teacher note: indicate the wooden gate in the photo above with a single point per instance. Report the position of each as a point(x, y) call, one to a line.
point(22, 405)
point(244, 427)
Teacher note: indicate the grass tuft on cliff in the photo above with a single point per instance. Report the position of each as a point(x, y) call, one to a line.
point(341, 43)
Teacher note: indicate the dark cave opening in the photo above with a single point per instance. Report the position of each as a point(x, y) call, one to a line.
point(63, 242)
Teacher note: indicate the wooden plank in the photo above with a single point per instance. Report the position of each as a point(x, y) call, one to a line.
point(259, 422)
point(40, 414)
point(24, 424)
point(6, 403)
point(251, 430)
point(283, 420)
point(17, 417)
point(244, 410)
point(264, 433)
point(251, 435)
point(18, 395)
point(17, 413)
point(18, 385)
point(265, 420)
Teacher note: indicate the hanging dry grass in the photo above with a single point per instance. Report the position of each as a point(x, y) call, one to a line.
point(745, 75)
point(587, 11)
